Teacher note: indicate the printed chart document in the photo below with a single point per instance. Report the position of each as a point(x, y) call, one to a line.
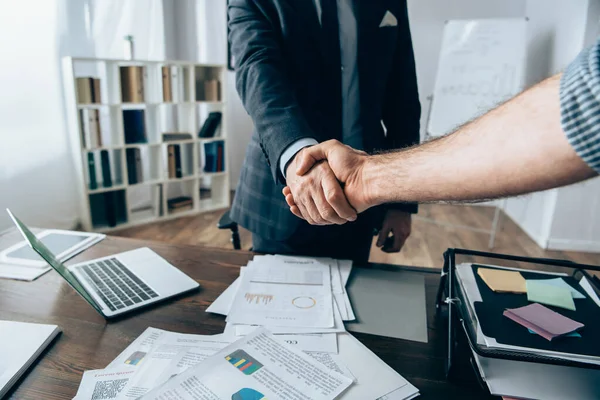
point(306, 301)
point(134, 353)
point(173, 353)
point(103, 384)
point(255, 367)
point(338, 326)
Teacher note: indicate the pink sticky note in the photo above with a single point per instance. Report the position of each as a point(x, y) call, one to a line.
point(542, 320)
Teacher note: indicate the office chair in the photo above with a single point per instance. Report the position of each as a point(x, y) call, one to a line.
point(225, 222)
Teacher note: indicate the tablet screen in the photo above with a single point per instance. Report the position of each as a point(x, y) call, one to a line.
point(57, 243)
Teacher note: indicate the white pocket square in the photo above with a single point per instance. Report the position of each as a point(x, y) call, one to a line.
point(388, 20)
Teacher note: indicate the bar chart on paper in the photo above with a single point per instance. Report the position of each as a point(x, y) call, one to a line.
point(256, 298)
point(244, 362)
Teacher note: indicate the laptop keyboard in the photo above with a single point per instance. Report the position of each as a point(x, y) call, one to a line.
point(116, 285)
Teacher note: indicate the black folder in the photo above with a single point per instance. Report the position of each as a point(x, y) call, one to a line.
point(461, 328)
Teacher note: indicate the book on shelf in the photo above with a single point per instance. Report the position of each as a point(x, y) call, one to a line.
point(167, 85)
point(89, 125)
point(205, 193)
point(214, 156)
point(212, 122)
point(158, 200)
point(96, 96)
point(212, 90)
point(132, 84)
point(220, 157)
point(105, 164)
point(174, 161)
point(178, 170)
point(178, 204)
point(171, 160)
point(108, 208)
point(175, 136)
point(88, 90)
point(134, 165)
point(92, 171)
point(134, 126)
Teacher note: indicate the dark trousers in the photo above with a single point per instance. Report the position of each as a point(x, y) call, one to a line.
point(351, 241)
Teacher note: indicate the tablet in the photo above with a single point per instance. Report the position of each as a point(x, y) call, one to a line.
point(64, 244)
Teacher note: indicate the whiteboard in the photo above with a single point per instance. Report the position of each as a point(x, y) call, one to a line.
point(482, 64)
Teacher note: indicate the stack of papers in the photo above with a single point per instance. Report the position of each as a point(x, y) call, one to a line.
point(161, 364)
point(291, 296)
point(311, 356)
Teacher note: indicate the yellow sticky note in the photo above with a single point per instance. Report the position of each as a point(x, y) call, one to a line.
point(502, 280)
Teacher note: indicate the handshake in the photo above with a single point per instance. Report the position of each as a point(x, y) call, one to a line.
point(326, 184)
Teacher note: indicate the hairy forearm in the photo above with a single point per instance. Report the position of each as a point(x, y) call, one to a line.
point(517, 148)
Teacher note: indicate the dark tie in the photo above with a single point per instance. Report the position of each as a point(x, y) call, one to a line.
point(331, 43)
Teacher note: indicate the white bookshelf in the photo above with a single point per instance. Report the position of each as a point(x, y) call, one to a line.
point(146, 201)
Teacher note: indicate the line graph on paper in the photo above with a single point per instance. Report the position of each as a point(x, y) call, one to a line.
point(258, 299)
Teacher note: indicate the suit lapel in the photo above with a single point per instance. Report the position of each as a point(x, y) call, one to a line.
point(369, 14)
point(307, 12)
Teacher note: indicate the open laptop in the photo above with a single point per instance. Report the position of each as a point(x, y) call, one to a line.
point(119, 283)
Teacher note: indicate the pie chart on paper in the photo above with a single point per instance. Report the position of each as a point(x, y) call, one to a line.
point(304, 302)
point(248, 394)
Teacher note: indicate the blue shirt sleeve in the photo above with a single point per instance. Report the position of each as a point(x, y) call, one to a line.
point(291, 151)
point(580, 105)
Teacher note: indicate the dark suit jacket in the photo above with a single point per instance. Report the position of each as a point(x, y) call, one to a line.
point(284, 78)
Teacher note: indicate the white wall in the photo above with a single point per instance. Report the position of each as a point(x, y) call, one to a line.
point(36, 170)
point(212, 34)
point(576, 220)
point(427, 18)
point(559, 218)
point(36, 164)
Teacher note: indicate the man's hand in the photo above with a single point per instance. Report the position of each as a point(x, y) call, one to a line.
point(398, 223)
point(318, 196)
point(347, 165)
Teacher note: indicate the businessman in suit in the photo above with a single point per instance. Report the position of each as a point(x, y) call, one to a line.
point(308, 71)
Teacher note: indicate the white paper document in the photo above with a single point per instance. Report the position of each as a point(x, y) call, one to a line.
point(103, 384)
point(136, 351)
point(308, 342)
point(255, 367)
point(374, 378)
point(284, 304)
point(172, 354)
point(338, 326)
point(585, 284)
point(21, 273)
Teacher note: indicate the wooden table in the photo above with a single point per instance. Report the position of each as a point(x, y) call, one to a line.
point(90, 342)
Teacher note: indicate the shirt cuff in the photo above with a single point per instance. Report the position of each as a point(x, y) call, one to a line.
point(291, 151)
point(580, 105)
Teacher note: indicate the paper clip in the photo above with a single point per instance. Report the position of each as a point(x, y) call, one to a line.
point(450, 300)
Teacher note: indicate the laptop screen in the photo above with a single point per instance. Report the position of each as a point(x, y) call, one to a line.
point(47, 255)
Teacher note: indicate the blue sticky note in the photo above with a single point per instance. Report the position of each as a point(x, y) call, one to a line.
point(560, 282)
point(572, 334)
point(549, 295)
